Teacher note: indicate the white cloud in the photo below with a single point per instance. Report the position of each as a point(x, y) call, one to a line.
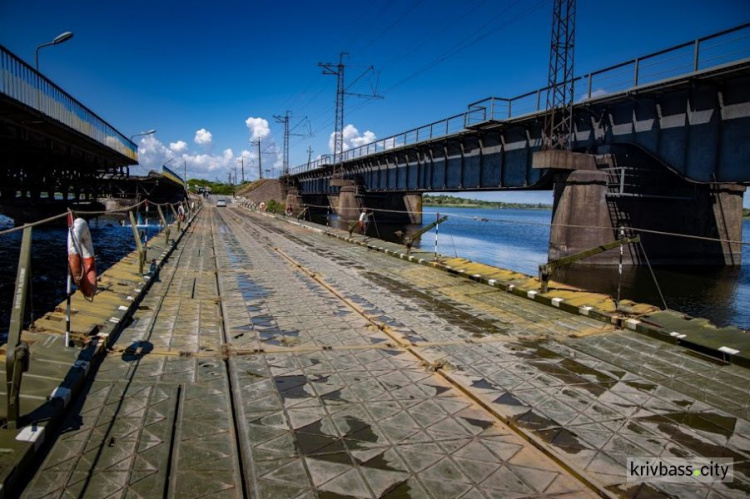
point(258, 128)
point(352, 138)
point(178, 147)
point(152, 154)
point(204, 163)
point(203, 137)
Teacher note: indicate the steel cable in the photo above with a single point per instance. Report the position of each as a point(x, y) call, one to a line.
point(573, 226)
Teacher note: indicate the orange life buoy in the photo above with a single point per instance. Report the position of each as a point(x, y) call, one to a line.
point(81, 257)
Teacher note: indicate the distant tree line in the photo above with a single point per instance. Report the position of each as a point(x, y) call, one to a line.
point(216, 187)
point(746, 212)
point(453, 201)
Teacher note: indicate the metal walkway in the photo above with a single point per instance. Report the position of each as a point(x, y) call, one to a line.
point(271, 361)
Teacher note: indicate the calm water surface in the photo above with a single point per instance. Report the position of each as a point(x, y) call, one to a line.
point(518, 240)
point(49, 262)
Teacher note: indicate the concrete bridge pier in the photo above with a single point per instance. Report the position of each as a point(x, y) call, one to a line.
point(594, 195)
point(294, 200)
point(396, 207)
point(347, 204)
point(580, 219)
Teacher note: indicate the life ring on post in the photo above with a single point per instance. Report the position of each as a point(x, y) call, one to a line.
point(81, 257)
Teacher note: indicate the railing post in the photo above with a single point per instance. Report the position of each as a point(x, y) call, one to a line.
point(138, 245)
point(164, 223)
point(17, 352)
point(696, 54)
point(510, 108)
point(591, 77)
point(492, 108)
point(637, 65)
point(176, 216)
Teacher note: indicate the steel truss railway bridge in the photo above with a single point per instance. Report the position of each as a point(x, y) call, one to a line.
point(660, 142)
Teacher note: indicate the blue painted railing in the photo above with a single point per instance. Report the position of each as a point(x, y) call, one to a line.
point(723, 48)
point(24, 84)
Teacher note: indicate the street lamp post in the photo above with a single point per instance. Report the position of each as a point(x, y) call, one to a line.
point(62, 37)
point(150, 132)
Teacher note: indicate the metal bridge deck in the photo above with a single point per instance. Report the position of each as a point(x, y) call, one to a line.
point(271, 361)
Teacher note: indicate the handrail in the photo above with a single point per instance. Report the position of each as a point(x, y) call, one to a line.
point(25, 84)
point(503, 108)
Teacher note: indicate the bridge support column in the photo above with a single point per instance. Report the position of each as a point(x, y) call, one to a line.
point(580, 218)
point(294, 201)
point(397, 207)
point(348, 206)
point(595, 195)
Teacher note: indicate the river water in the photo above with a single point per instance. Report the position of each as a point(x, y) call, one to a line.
point(49, 261)
point(518, 240)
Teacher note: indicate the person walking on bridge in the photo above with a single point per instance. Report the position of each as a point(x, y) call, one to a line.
point(364, 221)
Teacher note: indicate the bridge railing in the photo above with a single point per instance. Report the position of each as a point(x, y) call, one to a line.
point(711, 51)
point(23, 83)
point(704, 53)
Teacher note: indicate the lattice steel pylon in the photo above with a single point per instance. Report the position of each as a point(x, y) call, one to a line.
point(338, 138)
point(558, 125)
point(284, 120)
point(341, 91)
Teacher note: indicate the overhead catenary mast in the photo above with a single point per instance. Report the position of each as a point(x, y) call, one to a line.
point(284, 120)
point(260, 168)
point(242, 168)
point(341, 91)
point(338, 125)
point(558, 124)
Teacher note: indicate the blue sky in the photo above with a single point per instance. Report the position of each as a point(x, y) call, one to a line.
point(209, 76)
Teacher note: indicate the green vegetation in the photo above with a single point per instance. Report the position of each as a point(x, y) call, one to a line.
point(745, 212)
point(274, 206)
point(456, 202)
point(216, 187)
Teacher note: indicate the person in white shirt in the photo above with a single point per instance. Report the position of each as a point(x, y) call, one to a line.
point(364, 220)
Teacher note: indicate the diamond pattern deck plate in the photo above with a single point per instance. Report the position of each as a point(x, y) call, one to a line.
point(117, 442)
point(598, 414)
point(629, 395)
point(372, 423)
point(272, 362)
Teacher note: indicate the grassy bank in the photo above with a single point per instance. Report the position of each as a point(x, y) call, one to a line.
point(445, 201)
